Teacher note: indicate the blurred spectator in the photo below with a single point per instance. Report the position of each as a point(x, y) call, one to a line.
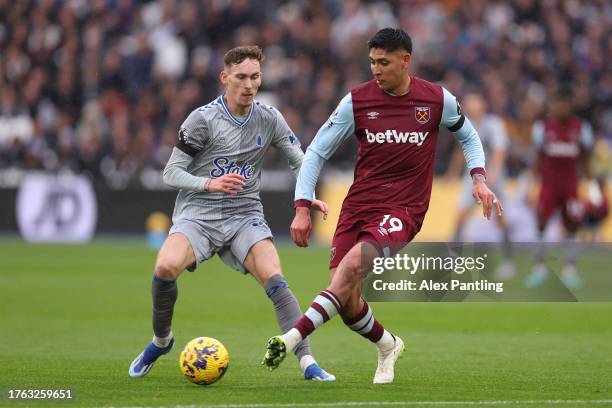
point(101, 86)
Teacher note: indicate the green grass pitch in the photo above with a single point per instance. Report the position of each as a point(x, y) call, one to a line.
point(75, 316)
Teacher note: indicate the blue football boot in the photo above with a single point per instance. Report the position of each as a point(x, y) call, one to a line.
point(145, 360)
point(315, 373)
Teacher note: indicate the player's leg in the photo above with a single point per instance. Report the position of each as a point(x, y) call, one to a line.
point(175, 255)
point(327, 304)
point(506, 269)
point(571, 215)
point(358, 316)
point(263, 262)
point(462, 215)
point(353, 263)
point(465, 204)
point(330, 301)
point(546, 206)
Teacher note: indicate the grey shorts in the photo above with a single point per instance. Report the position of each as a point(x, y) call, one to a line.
point(231, 238)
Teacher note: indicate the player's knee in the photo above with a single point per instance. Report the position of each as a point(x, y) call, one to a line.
point(165, 269)
point(349, 271)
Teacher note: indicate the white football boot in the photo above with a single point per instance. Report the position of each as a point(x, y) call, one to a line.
point(386, 362)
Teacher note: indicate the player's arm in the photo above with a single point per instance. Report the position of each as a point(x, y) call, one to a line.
point(466, 135)
point(537, 139)
point(500, 150)
point(289, 145)
point(193, 134)
point(339, 127)
point(586, 146)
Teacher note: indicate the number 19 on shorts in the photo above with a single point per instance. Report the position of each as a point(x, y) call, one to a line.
point(390, 224)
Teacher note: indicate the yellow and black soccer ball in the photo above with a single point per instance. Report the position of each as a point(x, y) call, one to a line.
point(204, 360)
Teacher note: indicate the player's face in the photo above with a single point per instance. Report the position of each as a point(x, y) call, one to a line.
point(390, 69)
point(242, 82)
point(562, 108)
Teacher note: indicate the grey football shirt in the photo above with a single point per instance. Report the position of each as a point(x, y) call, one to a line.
point(213, 142)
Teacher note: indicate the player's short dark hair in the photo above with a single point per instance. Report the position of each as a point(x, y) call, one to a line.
point(391, 39)
point(239, 54)
point(565, 94)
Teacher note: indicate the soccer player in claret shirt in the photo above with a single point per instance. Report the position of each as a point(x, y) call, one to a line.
point(216, 165)
point(564, 142)
point(395, 118)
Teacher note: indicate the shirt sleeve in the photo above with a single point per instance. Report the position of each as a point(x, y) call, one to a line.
point(176, 174)
point(499, 134)
point(339, 127)
point(537, 134)
point(586, 135)
point(193, 134)
point(288, 144)
point(461, 127)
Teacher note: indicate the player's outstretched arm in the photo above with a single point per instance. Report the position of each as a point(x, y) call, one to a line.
point(339, 126)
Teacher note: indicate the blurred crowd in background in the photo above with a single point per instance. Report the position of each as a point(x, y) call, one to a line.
point(101, 86)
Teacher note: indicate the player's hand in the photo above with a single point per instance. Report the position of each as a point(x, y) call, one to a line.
point(321, 206)
point(301, 226)
point(485, 196)
point(230, 184)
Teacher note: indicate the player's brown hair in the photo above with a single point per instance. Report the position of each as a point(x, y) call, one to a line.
point(239, 54)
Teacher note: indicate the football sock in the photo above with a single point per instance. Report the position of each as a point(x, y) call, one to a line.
point(306, 361)
point(287, 310)
point(386, 342)
point(162, 342)
point(164, 294)
point(540, 248)
point(366, 325)
point(457, 235)
point(571, 249)
point(507, 243)
point(324, 307)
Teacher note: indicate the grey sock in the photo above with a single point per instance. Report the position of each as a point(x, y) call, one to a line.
point(507, 243)
point(540, 248)
point(287, 309)
point(572, 248)
point(164, 296)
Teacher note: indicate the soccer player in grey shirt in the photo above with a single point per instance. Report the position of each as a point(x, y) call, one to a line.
point(216, 165)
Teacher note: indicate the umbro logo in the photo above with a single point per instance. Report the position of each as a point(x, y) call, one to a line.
point(373, 115)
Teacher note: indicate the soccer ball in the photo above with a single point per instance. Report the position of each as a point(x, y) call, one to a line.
point(204, 360)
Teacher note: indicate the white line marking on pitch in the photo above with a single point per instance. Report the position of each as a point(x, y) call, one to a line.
point(387, 403)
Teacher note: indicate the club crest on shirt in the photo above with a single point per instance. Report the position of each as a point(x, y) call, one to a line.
point(183, 136)
point(421, 114)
